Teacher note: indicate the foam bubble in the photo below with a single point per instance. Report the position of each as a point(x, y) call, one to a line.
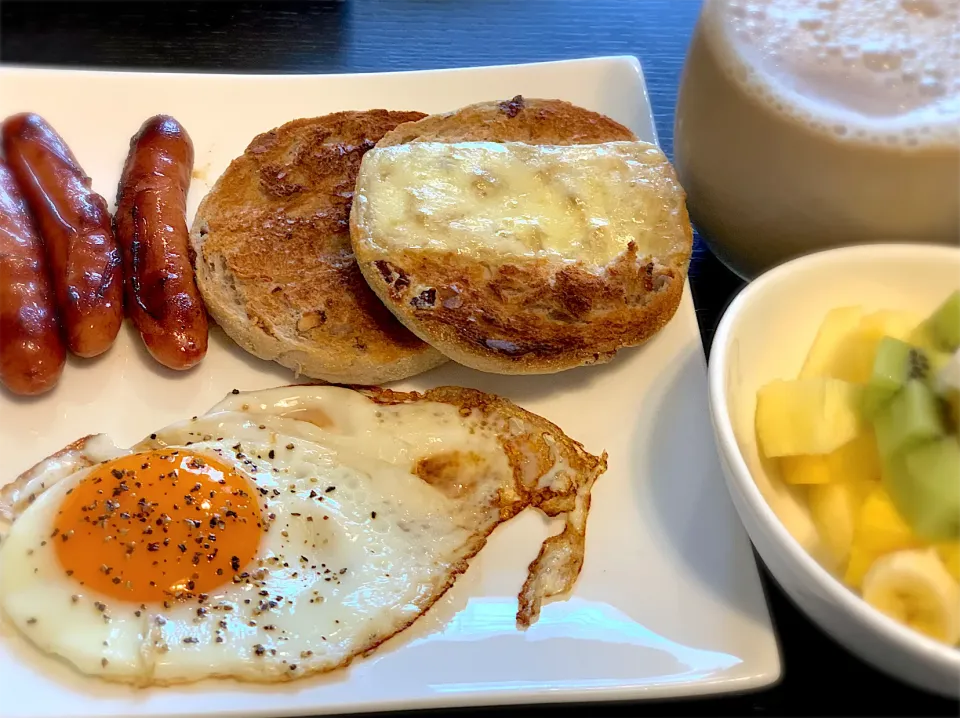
point(886, 66)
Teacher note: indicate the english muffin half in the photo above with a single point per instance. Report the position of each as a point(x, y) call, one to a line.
point(274, 262)
point(522, 237)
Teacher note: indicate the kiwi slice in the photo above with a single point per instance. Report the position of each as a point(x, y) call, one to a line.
point(894, 364)
point(911, 416)
point(924, 485)
point(941, 330)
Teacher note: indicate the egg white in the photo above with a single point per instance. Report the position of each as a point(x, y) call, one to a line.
point(353, 553)
point(96, 634)
point(356, 548)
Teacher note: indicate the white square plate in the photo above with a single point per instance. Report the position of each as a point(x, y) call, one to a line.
point(669, 602)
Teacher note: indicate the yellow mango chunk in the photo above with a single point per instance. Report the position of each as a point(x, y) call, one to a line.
point(834, 508)
point(856, 354)
point(805, 469)
point(827, 348)
point(855, 360)
point(890, 323)
point(857, 461)
point(858, 565)
point(880, 529)
point(806, 416)
point(846, 343)
point(949, 553)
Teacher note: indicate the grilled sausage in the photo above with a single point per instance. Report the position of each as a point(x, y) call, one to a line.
point(151, 229)
point(75, 226)
point(31, 347)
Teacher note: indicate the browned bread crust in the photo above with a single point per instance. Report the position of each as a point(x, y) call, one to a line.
point(529, 316)
point(537, 122)
point(274, 261)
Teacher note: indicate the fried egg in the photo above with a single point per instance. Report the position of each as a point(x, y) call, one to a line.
point(283, 533)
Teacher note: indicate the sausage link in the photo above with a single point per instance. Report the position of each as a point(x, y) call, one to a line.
point(76, 228)
point(31, 347)
point(151, 229)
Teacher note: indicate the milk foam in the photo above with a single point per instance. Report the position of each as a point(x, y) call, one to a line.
point(884, 71)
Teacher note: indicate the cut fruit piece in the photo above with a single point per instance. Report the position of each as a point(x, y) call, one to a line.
point(946, 379)
point(938, 360)
point(890, 323)
point(858, 564)
point(894, 364)
point(856, 461)
point(944, 324)
point(834, 508)
point(949, 554)
point(880, 529)
point(807, 416)
point(855, 357)
point(910, 418)
point(922, 337)
point(914, 588)
point(827, 348)
point(924, 485)
point(805, 469)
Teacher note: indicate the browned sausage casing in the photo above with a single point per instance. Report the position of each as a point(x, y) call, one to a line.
point(31, 348)
point(75, 226)
point(151, 225)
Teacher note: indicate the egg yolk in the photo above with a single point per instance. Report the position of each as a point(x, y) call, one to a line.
point(156, 525)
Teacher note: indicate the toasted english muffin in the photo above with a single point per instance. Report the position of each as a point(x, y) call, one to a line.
point(522, 237)
point(274, 262)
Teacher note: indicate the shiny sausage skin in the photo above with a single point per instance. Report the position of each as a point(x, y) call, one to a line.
point(76, 228)
point(31, 347)
point(151, 229)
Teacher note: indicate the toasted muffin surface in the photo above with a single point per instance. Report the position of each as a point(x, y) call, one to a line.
point(483, 289)
point(535, 121)
point(274, 261)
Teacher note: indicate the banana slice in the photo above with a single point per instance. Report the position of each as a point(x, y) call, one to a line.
point(913, 587)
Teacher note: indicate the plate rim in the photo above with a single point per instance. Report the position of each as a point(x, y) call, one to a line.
point(633, 61)
point(758, 678)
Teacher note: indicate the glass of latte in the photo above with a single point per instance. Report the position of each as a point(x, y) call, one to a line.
point(806, 124)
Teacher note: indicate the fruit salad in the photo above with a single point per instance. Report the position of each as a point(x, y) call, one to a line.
point(869, 433)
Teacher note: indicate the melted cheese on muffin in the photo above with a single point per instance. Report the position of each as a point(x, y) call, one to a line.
point(577, 202)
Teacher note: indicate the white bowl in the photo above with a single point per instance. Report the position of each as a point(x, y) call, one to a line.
point(764, 335)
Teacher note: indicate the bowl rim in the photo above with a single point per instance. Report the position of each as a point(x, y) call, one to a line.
point(837, 591)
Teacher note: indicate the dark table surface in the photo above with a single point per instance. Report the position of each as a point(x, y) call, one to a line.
point(820, 678)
